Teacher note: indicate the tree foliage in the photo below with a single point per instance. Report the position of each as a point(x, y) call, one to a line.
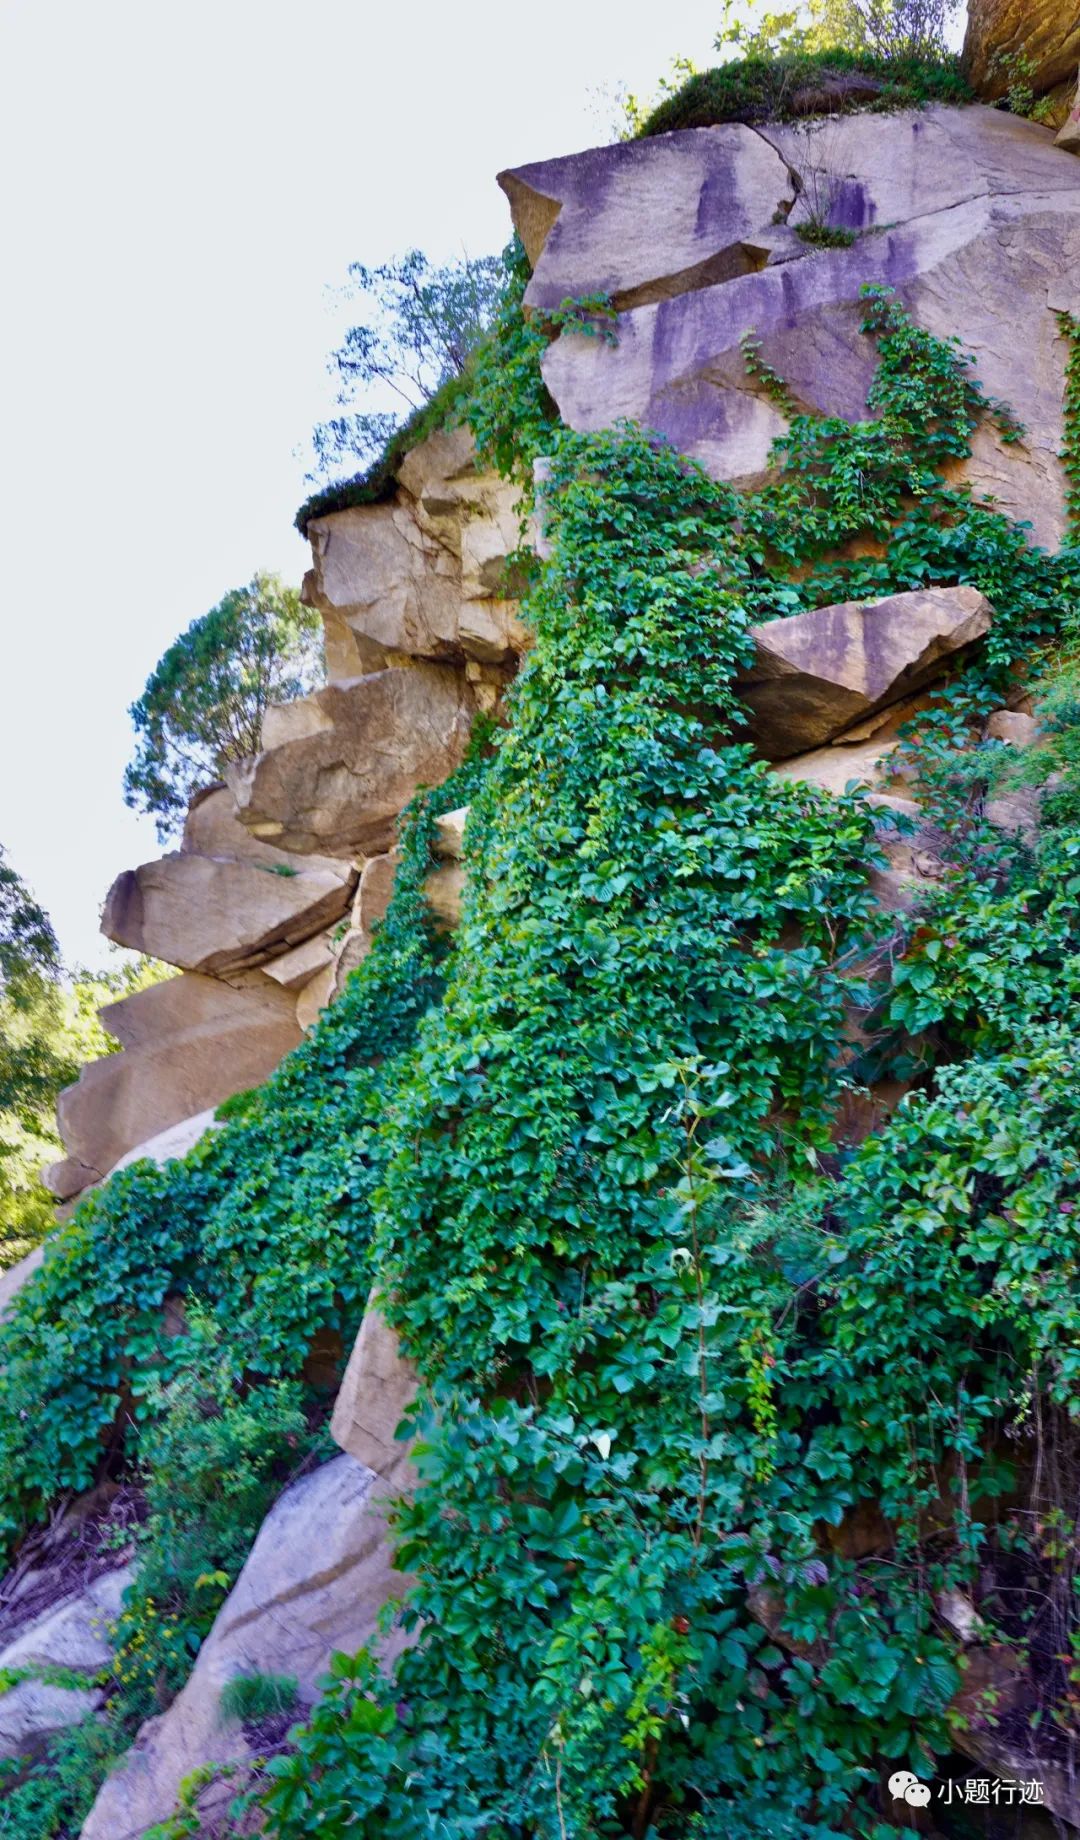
point(205, 701)
point(46, 1036)
point(28, 948)
point(422, 324)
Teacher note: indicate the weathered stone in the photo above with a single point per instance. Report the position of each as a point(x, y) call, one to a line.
point(1015, 729)
point(165, 1146)
point(976, 221)
point(375, 889)
point(212, 828)
point(1068, 135)
point(378, 1388)
point(1032, 41)
point(338, 784)
point(218, 915)
point(72, 1634)
point(444, 889)
point(296, 968)
point(647, 219)
point(317, 993)
point(13, 1279)
point(817, 673)
point(450, 834)
point(423, 574)
point(194, 1041)
point(317, 1577)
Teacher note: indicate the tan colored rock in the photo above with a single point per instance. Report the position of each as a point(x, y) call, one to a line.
point(165, 1146)
point(378, 1388)
point(375, 889)
point(73, 1634)
point(339, 787)
point(296, 968)
point(1068, 135)
point(834, 769)
point(450, 834)
point(1012, 727)
point(1041, 37)
point(817, 673)
point(647, 219)
point(194, 1042)
point(212, 828)
point(316, 1579)
point(386, 580)
point(216, 915)
point(444, 890)
point(976, 223)
point(316, 995)
point(422, 575)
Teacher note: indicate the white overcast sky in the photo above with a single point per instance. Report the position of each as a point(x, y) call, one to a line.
point(181, 185)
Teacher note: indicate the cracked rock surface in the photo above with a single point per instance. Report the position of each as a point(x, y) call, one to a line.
point(971, 215)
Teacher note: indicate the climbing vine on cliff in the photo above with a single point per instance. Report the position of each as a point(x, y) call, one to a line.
point(660, 1307)
point(670, 1341)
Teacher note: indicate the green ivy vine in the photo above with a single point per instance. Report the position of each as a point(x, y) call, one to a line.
point(678, 1333)
point(675, 1331)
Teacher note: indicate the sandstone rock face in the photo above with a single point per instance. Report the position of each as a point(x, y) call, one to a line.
point(424, 574)
point(354, 758)
point(70, 1634)
point(189, 1044)
point(1046, 33)
point(15, 1276)
point(213, 915)
point(316, 1579)
point(166, 1145)
point(818, 673)
point(378, 1387)
point(648, 219)
point(212, 828)
point(971, 215)
point(1068, 134)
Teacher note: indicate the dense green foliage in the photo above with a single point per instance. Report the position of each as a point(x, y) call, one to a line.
point(765, 88)
point(204, 702)
point(262, 1228)
point(675, 1330)
point(669, 1340)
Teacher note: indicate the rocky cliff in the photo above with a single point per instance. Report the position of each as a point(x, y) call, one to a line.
point(731, 325)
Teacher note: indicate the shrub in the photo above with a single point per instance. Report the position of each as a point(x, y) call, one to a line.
point(255, 1699)
point(758, 89)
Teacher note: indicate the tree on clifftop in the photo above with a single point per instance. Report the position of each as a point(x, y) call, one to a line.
point(422, 323)
point(205, 701)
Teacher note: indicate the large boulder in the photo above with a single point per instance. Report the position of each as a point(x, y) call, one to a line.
point(341, 764)
point(424, 573)
point(217, 915)
point(377, 1389)
point(316, 1580)
point(971, 215)
point(189, 1043)
point(70, 1635)
point(648, 219)
point(818, 673)
point(212, 828)
point(1034, 42)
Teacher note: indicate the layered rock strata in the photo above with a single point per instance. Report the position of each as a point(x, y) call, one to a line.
point(1033, 43)
point(282, 874)
point(938, 201)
